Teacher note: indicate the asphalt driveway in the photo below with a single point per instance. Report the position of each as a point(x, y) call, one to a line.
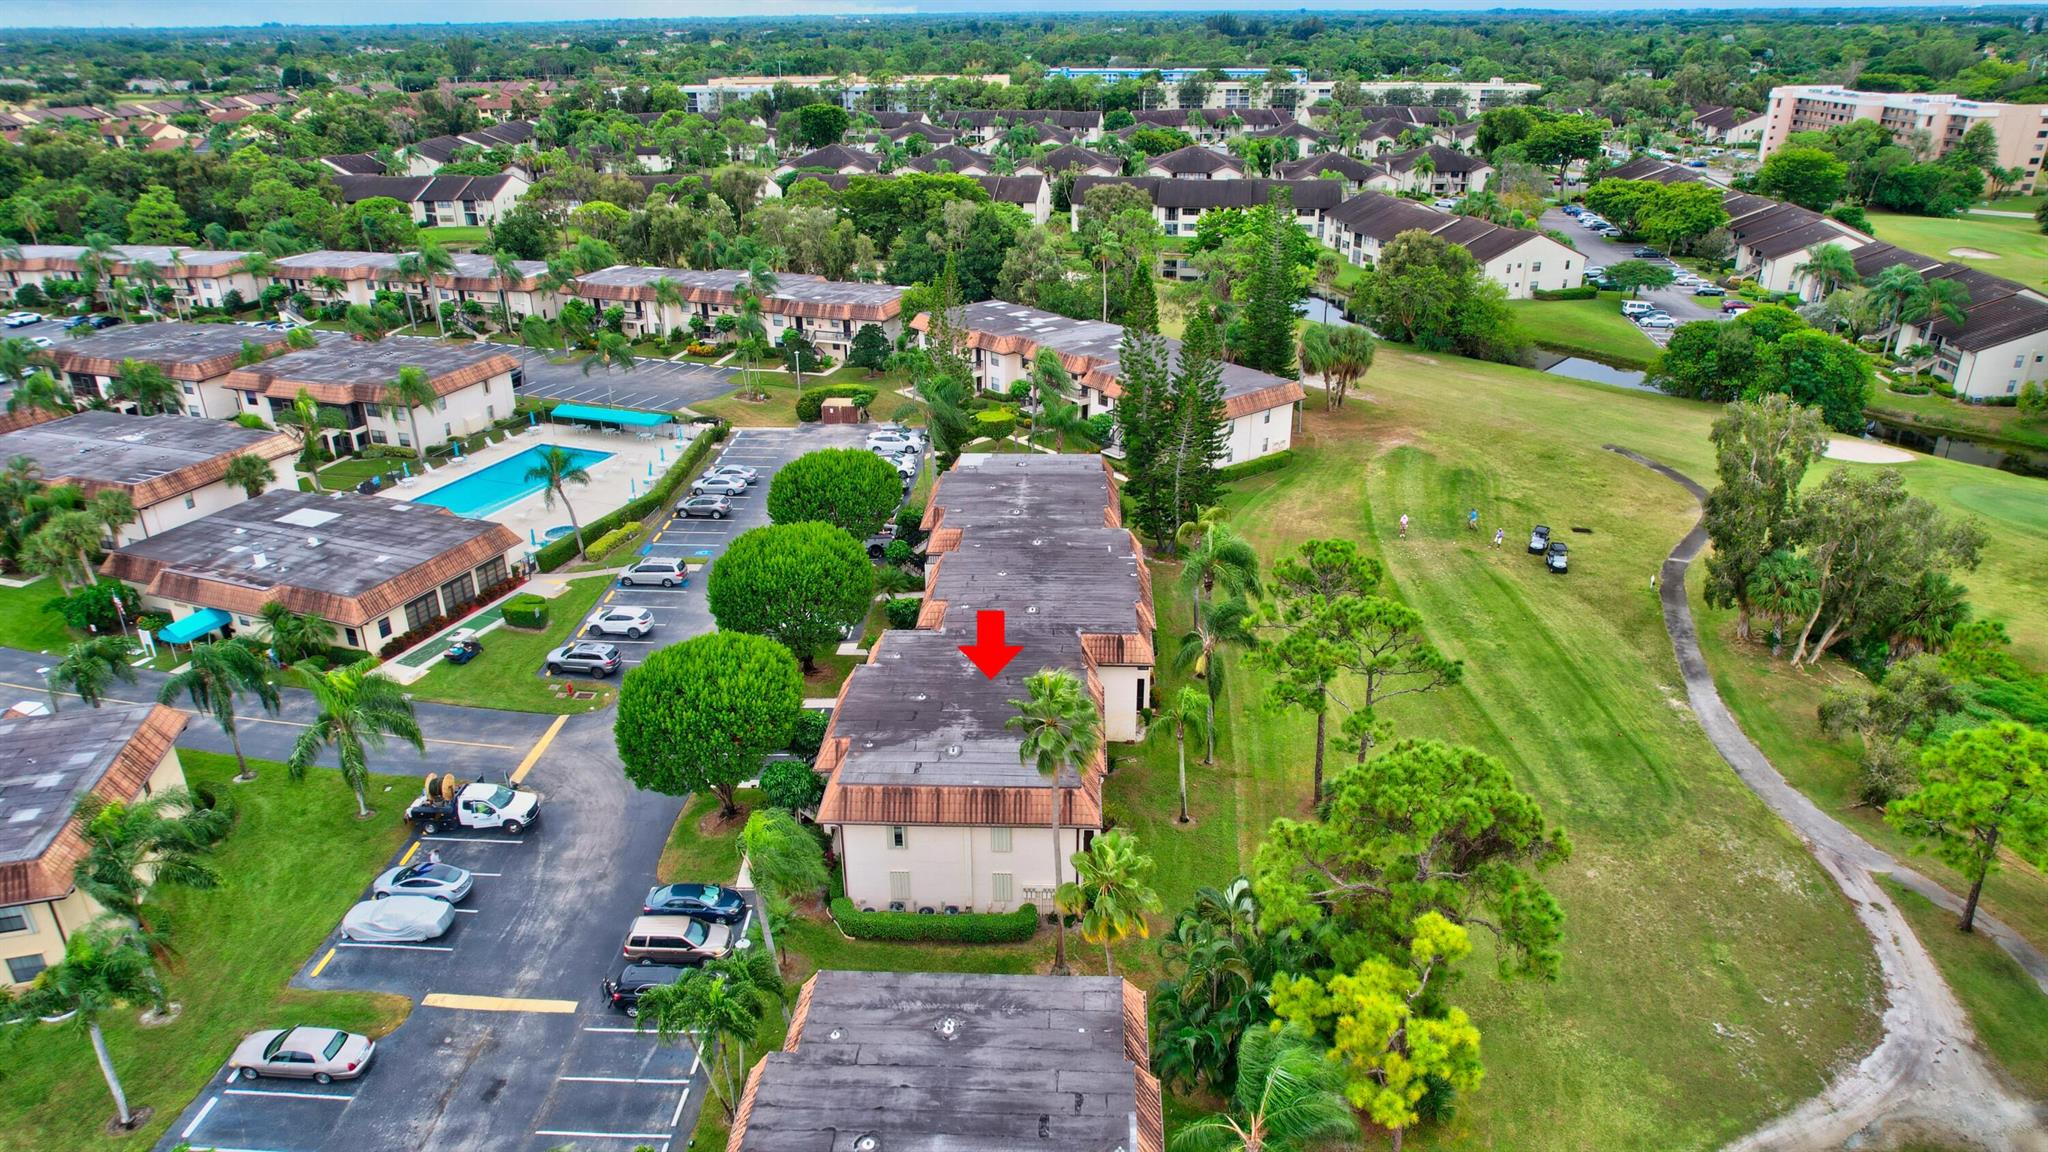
point(1600, 252)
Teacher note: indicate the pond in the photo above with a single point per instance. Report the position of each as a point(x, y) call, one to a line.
point(1580, 368)
point(1951, 447)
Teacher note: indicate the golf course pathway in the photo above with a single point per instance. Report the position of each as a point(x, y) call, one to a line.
point(1927, 1077)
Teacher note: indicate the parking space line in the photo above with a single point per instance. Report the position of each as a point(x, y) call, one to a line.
point(407, 858)
point(465, 911)
point(397, 947)
point(197, 1120)
point(496, 1003)
point(678, 1117)
point(630, 1031)
point(602, 1135)
point(539, 746)
point(492, 875)
point(294, 1095)
point(622, 1080)
point(321, 966)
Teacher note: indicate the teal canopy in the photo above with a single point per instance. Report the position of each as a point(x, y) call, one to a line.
point(608, 415)
point(190, 628)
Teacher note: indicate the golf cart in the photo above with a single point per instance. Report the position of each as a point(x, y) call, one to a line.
point(463, 646)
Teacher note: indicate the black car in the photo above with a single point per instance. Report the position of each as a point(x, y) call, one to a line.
point(623, 991)
point(102, 320)
point(1555, 558)
point(1646, 254)
point(1539, 539)
point(704, 901)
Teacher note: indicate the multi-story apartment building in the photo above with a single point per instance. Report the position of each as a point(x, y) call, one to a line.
point(828, 312)
point(197, 357)
point(1248, 87)
point(472, 385)
point(196, 277)
point(2021, 129)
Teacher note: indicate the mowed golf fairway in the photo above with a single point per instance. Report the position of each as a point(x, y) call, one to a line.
point(1712, 975)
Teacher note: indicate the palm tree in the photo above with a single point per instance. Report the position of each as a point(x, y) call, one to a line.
point(1225, 623)
point(1060, 724)
point(332, 287)
point(97, 262)
point(667, 294)
point(31, 216)
point(75, 533)
point(114, 510)
point(409, 269)
point(1830, 266)
point(430, 261)
point(1893, 290)
point(132, 849)
point(146, 386)
point(218, 672)
point(146, 274)
point(358, 708)
point(104, 966)
point(1289, 1096)
point(1351, 351)
point(413, 390)
point(1217, 558)
point(557, 469)
point(19, 359)
point(307, 419)
point(1186, 709)
point(1111, 892)
point(1938, 299)
point(539, 334)
point(249, 472)
point(90, 667)
point(294, 636)
point(505, 270)
point(613, 351)
point(40, 391)
point(366, 323)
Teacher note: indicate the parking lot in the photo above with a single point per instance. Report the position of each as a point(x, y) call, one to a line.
point(509, 1044)
point(652, 385)
point(1601, 252)
point(680, 613)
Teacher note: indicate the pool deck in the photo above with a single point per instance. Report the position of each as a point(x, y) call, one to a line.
point(613, 481)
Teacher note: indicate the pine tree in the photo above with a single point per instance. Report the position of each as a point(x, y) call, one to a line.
point(1141, 304)
point(1271, 293)
point(1142, 364)
point(1197, 430)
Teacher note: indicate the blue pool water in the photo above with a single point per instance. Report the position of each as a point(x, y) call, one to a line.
point(498, 486)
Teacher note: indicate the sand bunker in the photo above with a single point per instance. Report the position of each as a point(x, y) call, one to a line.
point(1972, 254)
point(1866, 452)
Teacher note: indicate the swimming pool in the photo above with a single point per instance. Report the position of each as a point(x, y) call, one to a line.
point(501, 484)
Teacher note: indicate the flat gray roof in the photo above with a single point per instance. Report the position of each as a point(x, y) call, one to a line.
point(48, 762)
point(339, 543)
point(115, 448)
point(166, 343)
point(354, 362)
point(1085, 579)
point(950, 1062)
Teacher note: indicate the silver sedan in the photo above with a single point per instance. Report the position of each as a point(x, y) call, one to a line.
point(323, 1055)
point(428, 878)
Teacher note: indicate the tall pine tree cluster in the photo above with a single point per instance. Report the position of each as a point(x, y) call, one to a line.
point(1172, 425)
point(1271, 293)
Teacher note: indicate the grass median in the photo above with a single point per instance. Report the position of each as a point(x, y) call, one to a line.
point(508, 674)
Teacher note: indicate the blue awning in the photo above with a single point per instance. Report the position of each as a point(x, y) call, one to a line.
point(608, 415)
point(190, 628)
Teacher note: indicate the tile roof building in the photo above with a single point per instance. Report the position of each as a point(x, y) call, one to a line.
point(373, 567)
point(1520, 261)
point(473, 383)
point(931, 1062)
point(195, 356)
point(172, 468)
point(116, 753)
point(828, 312)
point(1195, 163)
point(464, 201)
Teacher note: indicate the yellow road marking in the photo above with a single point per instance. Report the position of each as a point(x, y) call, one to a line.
point(608, 596)
point(407, 858)
point(318, 968)
point(496, 1003)
point(658, 535)
point(539, 746)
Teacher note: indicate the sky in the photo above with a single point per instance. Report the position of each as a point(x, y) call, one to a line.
point(217, 13)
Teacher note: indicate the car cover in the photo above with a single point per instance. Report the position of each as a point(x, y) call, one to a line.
point(398, 920)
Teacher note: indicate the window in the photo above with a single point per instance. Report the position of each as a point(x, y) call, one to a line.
point(404, 441)
point(1269, 417)
point(192, 410)
point(447, 432)
point(896, 836)
point(999, 839)
point(899, 888)
point(22, 969)
point(1536, 266)
point(1002, 886)
point(384, 628)
point(459, 593)
point(354, 640)
point(1141, 693)
point(490, 411)
point(420, 610)
point(189, 389)
point(17, 920)
point(374, 409)
point(377, 436)
point(442, 406)
point(2019, 361)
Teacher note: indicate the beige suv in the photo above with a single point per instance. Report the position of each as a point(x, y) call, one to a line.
point(676, 940)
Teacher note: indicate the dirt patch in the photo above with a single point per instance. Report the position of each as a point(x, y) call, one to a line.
point(715, 823)
point(1972, 254)
point(1866, 452)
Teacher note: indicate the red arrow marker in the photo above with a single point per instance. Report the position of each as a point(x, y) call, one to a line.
point(988, 652)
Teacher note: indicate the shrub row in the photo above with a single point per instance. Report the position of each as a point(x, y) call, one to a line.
point(1258, 467)
point(912, 927)
point(556, 553)
point(608, 543)
point(1582, 292)
point(811, 404)
point(526, 610)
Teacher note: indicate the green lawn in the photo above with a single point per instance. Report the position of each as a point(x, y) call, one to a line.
point(2025, 204)
point(457, 235)
point(295, 861)
point(353, 470)
point(2017, 249)
point(24, 624)
point(778, 410)
point(1595, 329)
point(1712, 974)
point(507, 675)
point(2006, 1007)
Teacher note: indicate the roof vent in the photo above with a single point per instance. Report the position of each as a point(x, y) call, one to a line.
point(952, 749)
point(836, 1034)
point(1038, 541)
point(312, 541)
point(239, 530)
point(920, 696)
point(259, 561)
point(1031, 610)
point(866, 1142)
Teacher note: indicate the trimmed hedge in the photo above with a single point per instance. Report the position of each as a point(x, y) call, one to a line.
point(1582, 292)
point(608, 543)
point(1258, 467)
point(995, 423)
point(811, 404)
point(902, 611)
point(526, 610)
point(912, 927)
point(556, 553)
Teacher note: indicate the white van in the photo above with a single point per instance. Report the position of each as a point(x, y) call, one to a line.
point(1634, 308)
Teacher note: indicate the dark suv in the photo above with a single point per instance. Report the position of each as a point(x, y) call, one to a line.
point(588, 658)
point(623, 991)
